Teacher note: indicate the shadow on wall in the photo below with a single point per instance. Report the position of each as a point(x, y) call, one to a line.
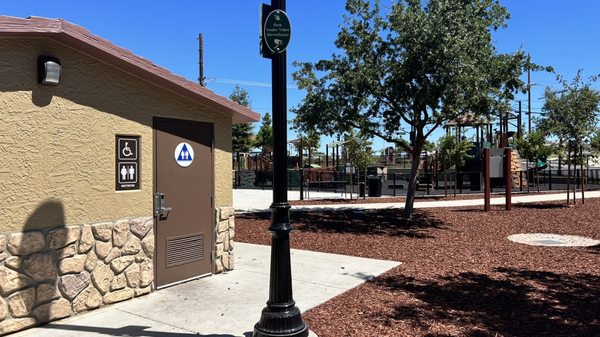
point(48, 214)
point(30, 282)
point(40, 97)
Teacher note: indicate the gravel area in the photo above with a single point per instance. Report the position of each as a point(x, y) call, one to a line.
point(460, 275)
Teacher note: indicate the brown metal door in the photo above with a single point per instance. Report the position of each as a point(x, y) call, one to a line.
point(183, 168)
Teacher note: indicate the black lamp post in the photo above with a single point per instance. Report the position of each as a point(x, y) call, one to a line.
point(280, 317)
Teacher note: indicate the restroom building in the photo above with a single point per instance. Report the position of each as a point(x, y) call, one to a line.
point(115, 174)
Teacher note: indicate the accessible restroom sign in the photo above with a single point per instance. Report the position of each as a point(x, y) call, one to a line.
point(127, 163)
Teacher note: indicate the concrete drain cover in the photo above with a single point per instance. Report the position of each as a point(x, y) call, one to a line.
point(554, 240)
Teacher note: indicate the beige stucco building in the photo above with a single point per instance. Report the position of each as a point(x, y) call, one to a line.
point(84, 165)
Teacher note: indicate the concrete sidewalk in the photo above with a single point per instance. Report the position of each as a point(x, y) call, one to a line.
point(260, 200)
point(225, 305)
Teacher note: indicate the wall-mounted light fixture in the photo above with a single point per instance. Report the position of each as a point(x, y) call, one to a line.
point(49, 70)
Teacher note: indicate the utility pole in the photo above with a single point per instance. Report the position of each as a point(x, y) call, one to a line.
point(529, 93)
point(281, 317)
point(519, 121)
point(201, 78)
point(301, 169)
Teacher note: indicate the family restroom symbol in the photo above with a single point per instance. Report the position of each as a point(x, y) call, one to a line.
point(184, 154)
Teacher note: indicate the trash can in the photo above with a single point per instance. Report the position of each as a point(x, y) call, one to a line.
point(375, 185)
point(361, 189)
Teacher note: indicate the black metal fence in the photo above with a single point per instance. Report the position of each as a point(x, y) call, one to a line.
point(434, 183)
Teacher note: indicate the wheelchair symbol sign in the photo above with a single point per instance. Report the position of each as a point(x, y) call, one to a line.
point(127, 162)
point(128, 149)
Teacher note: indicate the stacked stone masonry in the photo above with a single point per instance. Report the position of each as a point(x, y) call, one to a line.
point(51, 274)
point(225, 232)
point(519, 179)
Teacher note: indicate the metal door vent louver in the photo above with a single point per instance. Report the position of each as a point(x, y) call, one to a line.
point(185, 249)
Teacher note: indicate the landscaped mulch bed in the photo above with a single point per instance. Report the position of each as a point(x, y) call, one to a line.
point(402, 199)
point(459, 276)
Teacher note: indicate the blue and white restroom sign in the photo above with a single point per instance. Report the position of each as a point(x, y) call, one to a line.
point(184, 154)
point(127, 163)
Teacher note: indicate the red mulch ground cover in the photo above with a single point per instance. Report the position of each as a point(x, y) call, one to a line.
point(380, 200)
point(401, 199)
point(460, 275)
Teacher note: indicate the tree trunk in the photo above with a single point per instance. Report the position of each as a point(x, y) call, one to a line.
point(527, 173)
point(581, 175)
point(351, 180)
point(575, 181)
point(455, 180)
point(559, 173)
point(568, 173)
point(575, 184)
point(239, 168)
point(365, 184)
point(537, 176)
point(412, 181)
point(446, 183)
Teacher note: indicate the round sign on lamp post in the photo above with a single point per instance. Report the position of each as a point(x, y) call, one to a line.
point(277, 31)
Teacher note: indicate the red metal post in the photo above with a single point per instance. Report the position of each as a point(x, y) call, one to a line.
point(508, 178)
point(486, 180)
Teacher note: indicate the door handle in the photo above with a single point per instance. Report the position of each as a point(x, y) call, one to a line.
point(160, 209)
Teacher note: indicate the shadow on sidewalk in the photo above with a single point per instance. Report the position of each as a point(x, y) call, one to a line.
point(130, 330)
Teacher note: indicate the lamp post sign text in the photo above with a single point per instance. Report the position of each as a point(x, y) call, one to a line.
point(275, 31)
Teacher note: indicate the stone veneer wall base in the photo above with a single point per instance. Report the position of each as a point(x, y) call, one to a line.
point(54, 273)
point(225, 233)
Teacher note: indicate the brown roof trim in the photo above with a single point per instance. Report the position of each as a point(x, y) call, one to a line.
point(81, 39)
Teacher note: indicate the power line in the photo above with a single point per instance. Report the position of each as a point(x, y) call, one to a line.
point(244, 83)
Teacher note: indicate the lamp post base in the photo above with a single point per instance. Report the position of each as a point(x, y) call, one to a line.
point(281, 322)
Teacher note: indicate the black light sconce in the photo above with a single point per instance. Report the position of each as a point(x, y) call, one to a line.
point(49, 70)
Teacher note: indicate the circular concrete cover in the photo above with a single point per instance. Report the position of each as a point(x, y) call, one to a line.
point(554, 240)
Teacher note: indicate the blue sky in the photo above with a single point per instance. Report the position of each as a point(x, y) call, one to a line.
point(561, 34)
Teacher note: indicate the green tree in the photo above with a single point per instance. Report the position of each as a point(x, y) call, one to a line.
point(595, 143)
point(571, 114)
point(429, 146)
point(533, 147)
point(410, 71)
point(452, 153)
point(310, 141)
point(264, 137)
point(356, 145)
point(241, 133)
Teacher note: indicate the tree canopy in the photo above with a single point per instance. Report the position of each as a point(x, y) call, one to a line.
point(452, 152)
point(532, 146)
point(571, 112)
point(410, 70)
point(357, 148)
point(264, 137)
point(241, 133)
point(595, 143)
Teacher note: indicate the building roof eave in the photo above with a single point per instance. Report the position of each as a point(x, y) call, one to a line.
point(102, 49)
